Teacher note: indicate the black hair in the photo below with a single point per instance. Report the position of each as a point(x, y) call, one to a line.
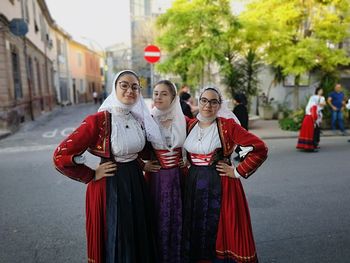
point(240, 98)
point(185, 96)
point(317, 90)
point(126, 72)
point(212, 89)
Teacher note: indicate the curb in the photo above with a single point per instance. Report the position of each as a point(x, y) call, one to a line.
point(296, 136)
point(4, 134)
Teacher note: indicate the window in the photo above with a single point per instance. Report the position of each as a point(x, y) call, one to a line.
point(81, 86)
point(43, 28)
point(58, 43)
point(31, 75)
point(79, 59)
point(25, 10)
point(35, 24)
point(38, 76)
point(34, 9)
point(16, 75)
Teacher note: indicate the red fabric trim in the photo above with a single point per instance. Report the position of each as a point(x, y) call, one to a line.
point(96, 230)
point(314, 112)
point(306, 134)
point(92, 134)
point(205, 159)
point(163, 159)
point(235, 236)
point(234, 134)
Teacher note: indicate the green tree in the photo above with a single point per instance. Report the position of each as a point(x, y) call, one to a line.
point(299, 35)
point(192, 33)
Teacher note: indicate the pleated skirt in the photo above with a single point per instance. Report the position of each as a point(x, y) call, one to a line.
point(118, 218)
point(306, 139)
point(167, 210)
point(217, 226)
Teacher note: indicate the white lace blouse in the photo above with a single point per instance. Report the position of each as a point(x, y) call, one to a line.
point(127, 137)
point(203, 141)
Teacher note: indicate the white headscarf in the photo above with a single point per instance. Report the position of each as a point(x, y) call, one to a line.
point(139, 110)
point(223, 112)
point(174, 113)
point(314, 100)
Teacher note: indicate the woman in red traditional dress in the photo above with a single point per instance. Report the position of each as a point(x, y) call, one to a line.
point(217, 225)
point(309, 135)
point(118, 217)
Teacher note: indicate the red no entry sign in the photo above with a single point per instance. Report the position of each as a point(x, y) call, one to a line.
point(152, 53)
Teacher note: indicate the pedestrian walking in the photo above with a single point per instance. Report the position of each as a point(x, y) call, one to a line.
point(95, 96)
point(309, 135)
point(337, 102)
point(217, 226)
point(118, 216)
point(165, 173)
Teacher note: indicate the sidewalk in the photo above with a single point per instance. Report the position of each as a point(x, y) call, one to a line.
point(4, 133)
point(44, 117)
point(265, 129)
point(269, 129)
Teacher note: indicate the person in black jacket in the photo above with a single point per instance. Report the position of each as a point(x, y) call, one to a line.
point(186, 108)
point(240, 110)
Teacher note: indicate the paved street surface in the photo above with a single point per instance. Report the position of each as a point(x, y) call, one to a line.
point(299, 202)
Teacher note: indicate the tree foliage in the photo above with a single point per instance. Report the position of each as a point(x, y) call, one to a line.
point(299, 35)
point(191, 33)
point(295, 36)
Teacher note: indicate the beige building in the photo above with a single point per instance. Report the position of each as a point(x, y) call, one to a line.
point(44, 68)
point(86, 68)
point(94, 73)
point(62, 67)
point(26, 89)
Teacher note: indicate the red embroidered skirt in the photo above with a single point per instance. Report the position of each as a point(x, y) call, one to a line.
point(306, 134)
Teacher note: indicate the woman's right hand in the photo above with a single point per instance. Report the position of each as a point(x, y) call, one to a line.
point(152, 167)
point(105, 169)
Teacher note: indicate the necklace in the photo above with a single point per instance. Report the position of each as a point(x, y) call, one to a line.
point(201, 133)
point(166, 132)
point(124, 114)
point(125, 119)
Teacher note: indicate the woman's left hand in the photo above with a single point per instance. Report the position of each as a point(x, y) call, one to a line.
point(183, 164)
point(225, 170)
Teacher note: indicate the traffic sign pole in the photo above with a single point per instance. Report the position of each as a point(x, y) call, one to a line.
point(152, 55)
point(152, 75)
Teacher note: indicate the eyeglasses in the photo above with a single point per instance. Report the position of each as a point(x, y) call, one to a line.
point(124, 85)
point(213, 102)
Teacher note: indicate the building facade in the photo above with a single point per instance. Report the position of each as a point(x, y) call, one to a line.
point(26, 71)
point(42, 68)
point(62, 67)
point(118, 57)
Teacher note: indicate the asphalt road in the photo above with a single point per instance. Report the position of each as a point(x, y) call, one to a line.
point(299, 202)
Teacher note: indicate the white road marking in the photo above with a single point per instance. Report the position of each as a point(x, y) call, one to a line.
point(32, 148)
point(64, 133)
point(67, 131)
point(50, 134)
